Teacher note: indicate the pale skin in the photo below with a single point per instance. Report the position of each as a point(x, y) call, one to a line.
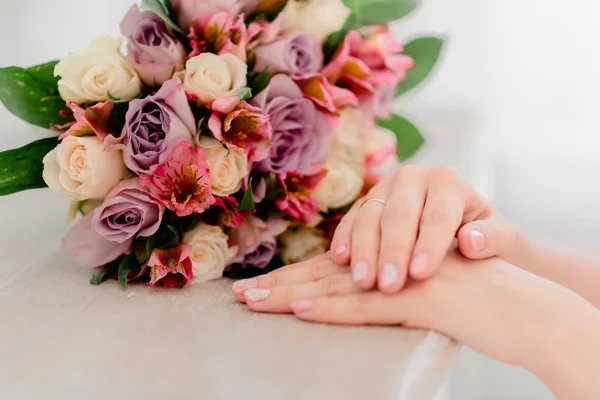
point(521, 316)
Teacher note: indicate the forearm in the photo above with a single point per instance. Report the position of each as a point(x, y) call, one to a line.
point(567, 354)
point(577, 272)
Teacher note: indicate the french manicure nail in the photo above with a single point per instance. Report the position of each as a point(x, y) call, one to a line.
point(301, 305)
point(241, 286)
point(340, 250)
point(419, 264)
point(477, 240)
point(360, 271)
point(389, 274)
point(256, 295)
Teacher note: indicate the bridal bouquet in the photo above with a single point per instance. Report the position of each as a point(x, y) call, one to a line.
point(230, 139)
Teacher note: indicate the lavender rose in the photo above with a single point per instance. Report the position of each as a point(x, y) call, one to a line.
point(257, 240)
point(154, 126)
point(297, 54)
point(301, 134)
point(152, 50)
point(104, 234)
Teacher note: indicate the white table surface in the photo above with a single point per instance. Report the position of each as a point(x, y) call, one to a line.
point(62, 338)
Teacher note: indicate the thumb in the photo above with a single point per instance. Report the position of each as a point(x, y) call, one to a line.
point(485, 238)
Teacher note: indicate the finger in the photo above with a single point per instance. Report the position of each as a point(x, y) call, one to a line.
point(312, 270)
point(485, 239)
point(366, 234)
point(366, 308)
point(440, 221)
point(342, 238)
point(399, 226)
point(277, 299)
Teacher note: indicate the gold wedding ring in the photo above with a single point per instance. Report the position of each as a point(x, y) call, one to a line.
point(376, 199)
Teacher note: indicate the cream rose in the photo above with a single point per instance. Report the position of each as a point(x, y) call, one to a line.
point(210, 251)
point(227, 167)
point(211, 76)
point(302, 244)
point(380, 150)
point(347, 145)
point(340, 187)
point(80, 169)
point(319, 17)
point(88, 76)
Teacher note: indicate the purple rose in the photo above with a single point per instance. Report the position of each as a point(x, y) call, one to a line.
point(257, 240)
point(297, 54)
point(107, 232)
point(152, 50)
point(301, 134)
point(154, 126)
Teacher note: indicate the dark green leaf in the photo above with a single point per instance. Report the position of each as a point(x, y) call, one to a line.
point(98, 278)
point(32, 95)
point(167, 237)
point(425, 52)
point(160, 9)
point(247, 203)
point(332, 42)
point(128, 264)
point(244, 93)
point(258, 81)
point(116, 118)
point(408, 136)
point(150, 243)
point(21, 169)
point(369, 12)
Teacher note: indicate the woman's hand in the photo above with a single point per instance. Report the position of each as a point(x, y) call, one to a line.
point(411, 234)
point(495, 308)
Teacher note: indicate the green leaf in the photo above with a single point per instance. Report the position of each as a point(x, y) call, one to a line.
point(21, 169)
point(127, 264)
point(258, 81)
point(369, 12)
point(408, 136)
point(32, 95)
point(114, 99)
point(244, 93)
point(167, 237)
point(98, 278)
point(160, 9)
point(247, 203)
point(332, 42)
point(425, 52)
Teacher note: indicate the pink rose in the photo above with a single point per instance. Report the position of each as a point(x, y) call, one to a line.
point(199, 12)
point(239, 124)
point(152, 49)
point(297, 201)
point(171, 267)
point(182, 183)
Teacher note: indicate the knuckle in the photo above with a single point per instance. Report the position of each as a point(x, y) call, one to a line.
point(360, 308)
point(332, 285)
point(436, 216)
point(410, 169)
point(319, 269)
point(447, 172)
point(402, 210)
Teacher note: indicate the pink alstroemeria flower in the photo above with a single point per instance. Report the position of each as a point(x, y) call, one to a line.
point(182, 182)
point(222, 34)
point(92, 120)
point(325, 95)
point(296, 200)
point(239, 124)
point(171, 267)
point(230, 216)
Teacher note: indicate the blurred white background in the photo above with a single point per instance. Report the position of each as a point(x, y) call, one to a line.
point(514, 105)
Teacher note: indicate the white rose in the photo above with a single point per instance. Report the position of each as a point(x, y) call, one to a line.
point(347, 145)
point(210, 251)
point(211, 76)
point(380, 150)
point(340, 187)
point(227, 167)
point(80, 169)
point(302, 244)
point(88, 76)
point(319, 17)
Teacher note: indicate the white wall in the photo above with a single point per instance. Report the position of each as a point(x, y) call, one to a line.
point(514, 106)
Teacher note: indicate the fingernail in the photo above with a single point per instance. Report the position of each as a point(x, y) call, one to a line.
point(301, 305)
point(389, 275)
point(419, 264)
point(340, 250)
point(244, 284)
point(256, 295)
point(477, 240)
point(360, 271)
